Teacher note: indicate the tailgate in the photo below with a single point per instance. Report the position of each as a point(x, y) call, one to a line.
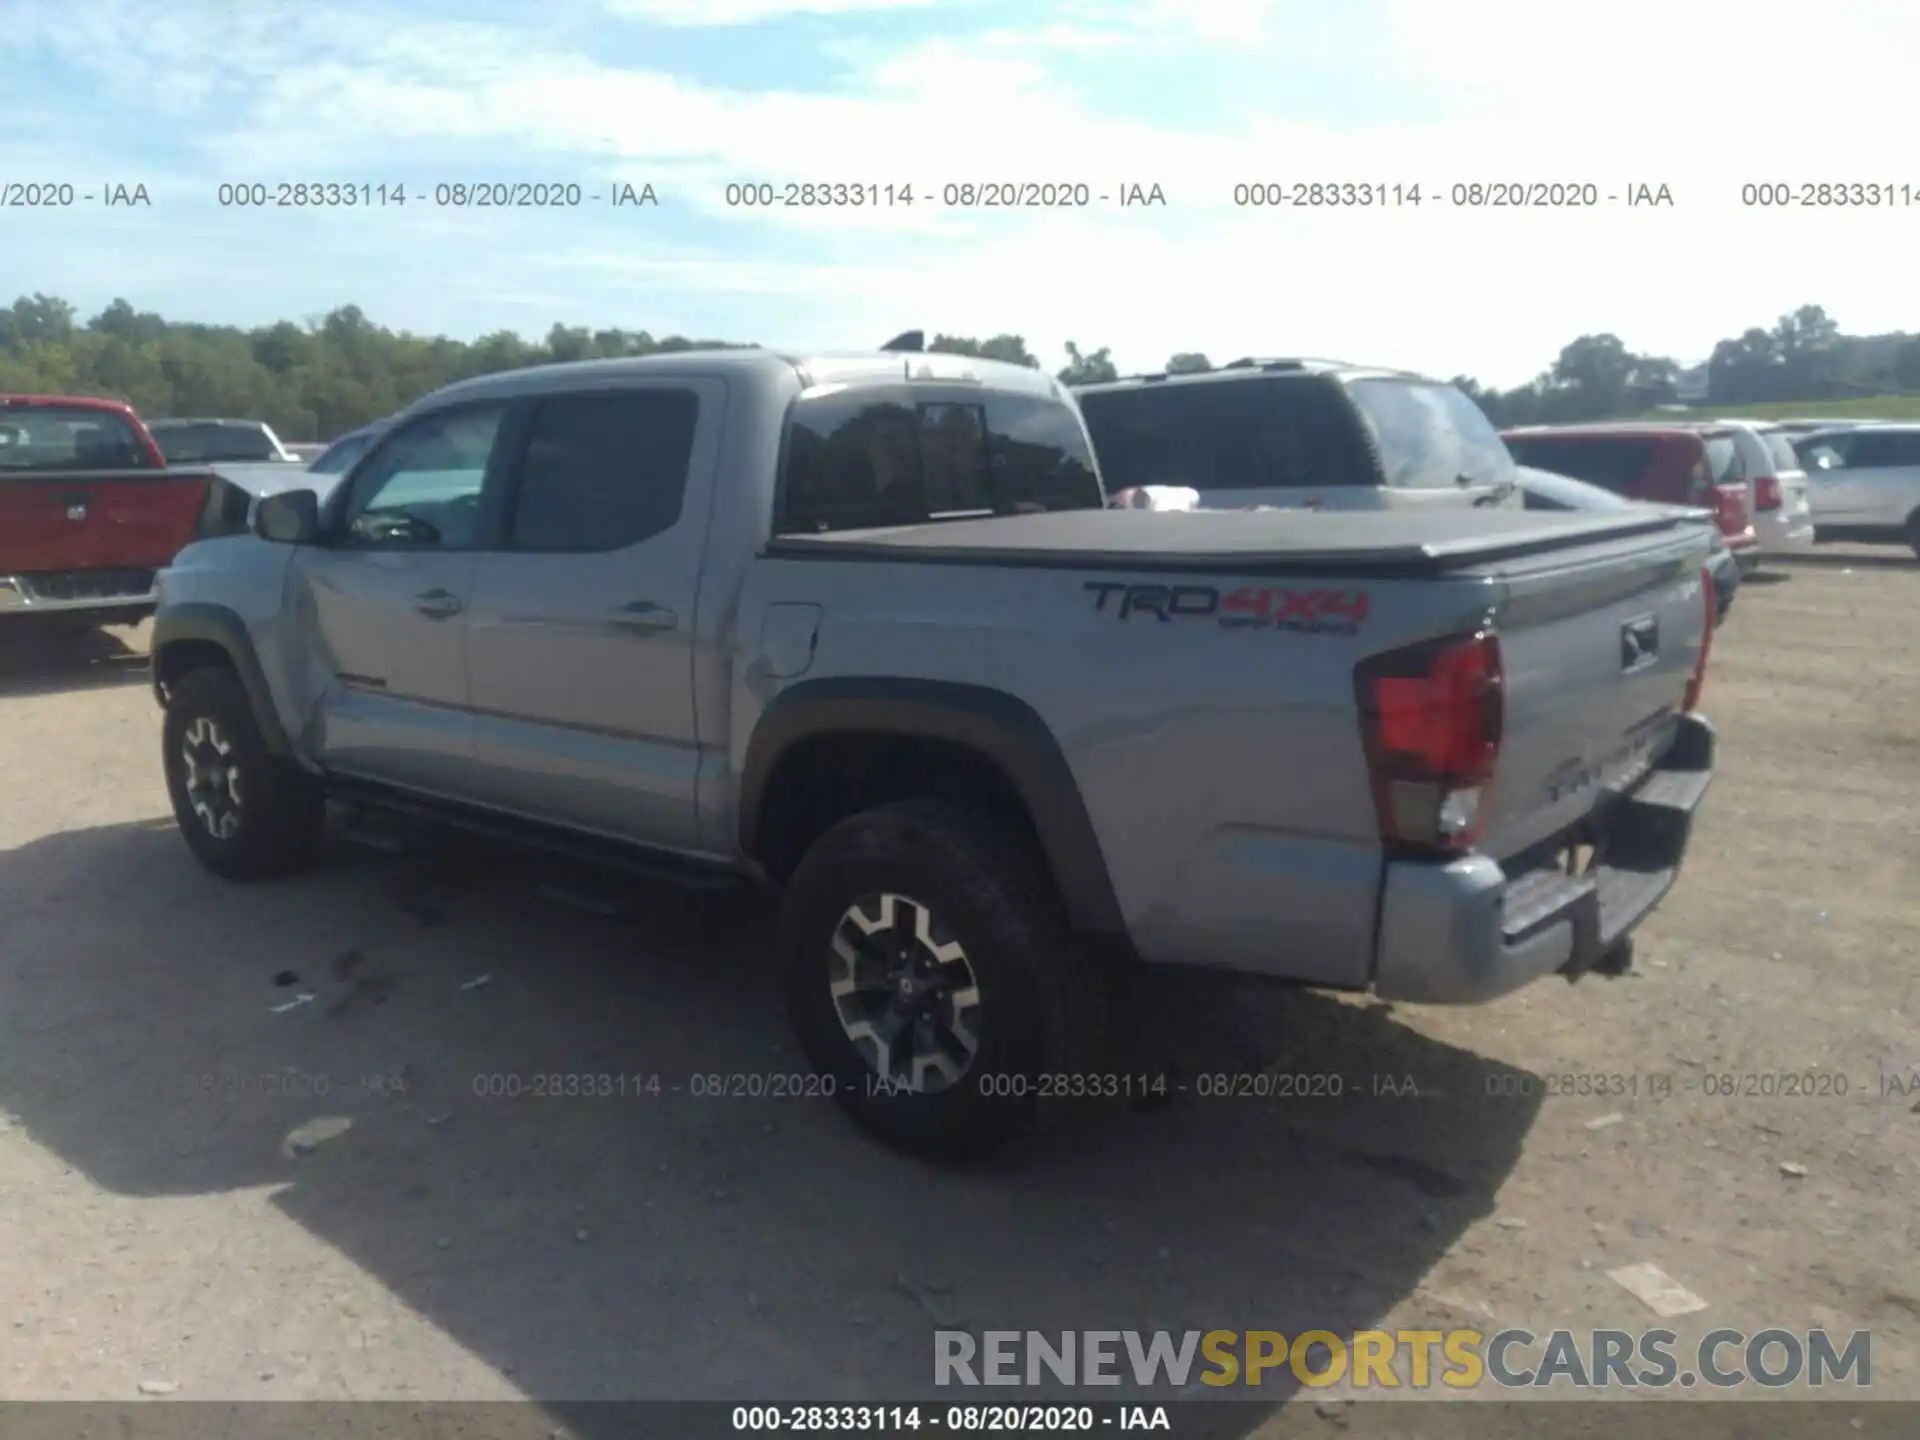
point(81, 520)
point(1598, 655)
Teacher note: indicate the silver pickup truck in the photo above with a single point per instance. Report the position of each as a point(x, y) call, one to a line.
point(862, 627)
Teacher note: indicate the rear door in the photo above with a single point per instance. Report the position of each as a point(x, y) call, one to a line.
point(1795, 511)
point(382, 604)
point(581, 647)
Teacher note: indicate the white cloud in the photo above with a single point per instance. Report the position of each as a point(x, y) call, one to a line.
point(719, 13)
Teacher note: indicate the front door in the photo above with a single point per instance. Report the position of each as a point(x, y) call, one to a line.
point(381, 604)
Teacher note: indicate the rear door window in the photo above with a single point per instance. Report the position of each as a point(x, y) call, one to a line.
point(1431, 437)
point(874, 458)
point(1614, 463)
point(1267, 432)
point(1880, 448)
point(604, 471)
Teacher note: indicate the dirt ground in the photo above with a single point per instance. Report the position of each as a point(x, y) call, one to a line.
point(156, 1053)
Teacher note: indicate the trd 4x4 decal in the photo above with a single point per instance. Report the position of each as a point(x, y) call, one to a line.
point(1309, 612)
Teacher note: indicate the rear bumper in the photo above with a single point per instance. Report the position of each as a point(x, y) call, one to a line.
point(76, 591)
point(1782, 534)
point(1469, 931)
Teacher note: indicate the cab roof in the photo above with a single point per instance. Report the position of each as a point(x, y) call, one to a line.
point(1253, 367)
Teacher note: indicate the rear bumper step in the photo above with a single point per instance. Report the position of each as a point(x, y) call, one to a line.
point(1471, 930)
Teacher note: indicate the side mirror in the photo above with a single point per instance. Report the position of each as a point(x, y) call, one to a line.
point(291, 517)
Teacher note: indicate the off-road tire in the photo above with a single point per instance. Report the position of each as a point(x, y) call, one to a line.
point(1044, 1005)
point(281, 810)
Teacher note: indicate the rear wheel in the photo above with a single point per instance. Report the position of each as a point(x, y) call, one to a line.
point(245, 814)
point(931, 978)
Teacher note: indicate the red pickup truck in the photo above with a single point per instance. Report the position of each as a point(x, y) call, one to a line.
point(89, 510)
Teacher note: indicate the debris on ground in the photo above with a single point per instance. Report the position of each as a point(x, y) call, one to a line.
point(477, 982)
point(1656, 1289)
point(158, 1387)
point(1511, 1222)
point(1793, 1168)
point(1603, 1122)
point(305, 1139)
point(305, 997)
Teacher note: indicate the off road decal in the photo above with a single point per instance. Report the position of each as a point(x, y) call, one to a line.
point(1305, 612)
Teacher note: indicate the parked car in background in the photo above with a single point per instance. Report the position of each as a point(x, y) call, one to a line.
point(338, 457)
point(1776, 486)
point(1865, 483)
point(203, 442)
point(1307, 434)
point(1678, 464)
point(863, 626)
point(89, 510)
point(306, 452)
point(1546, 491)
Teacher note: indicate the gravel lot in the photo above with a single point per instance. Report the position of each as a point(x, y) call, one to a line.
point(161, 1226)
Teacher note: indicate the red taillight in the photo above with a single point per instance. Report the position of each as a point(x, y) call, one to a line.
point(1712, 619)
point(1432, 717)
point(1766, 493)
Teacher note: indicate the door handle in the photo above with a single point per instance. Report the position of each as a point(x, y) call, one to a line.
point(645, 615)
point(437, 604)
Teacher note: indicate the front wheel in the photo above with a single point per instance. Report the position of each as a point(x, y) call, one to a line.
point(245, 813)
point(931, 976)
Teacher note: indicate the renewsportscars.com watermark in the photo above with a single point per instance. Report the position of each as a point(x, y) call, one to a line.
point(1409, 1359)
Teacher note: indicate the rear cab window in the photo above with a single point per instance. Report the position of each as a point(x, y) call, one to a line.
point(1431, 436)
point(898, 455)
point(1264, 432)
point(603, 471)
point(68, 437)
point(201, 444)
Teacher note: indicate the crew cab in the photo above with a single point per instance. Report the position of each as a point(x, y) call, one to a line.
point(863, 628)
point(88, 510)
point(1308, 434)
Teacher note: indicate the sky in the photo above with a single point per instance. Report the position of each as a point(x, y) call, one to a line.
point(1194, 97)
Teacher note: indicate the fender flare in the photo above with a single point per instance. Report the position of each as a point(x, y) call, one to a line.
point(1000, 728)
point(218, 625)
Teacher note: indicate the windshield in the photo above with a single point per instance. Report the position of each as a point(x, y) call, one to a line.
point(68, 437)
point(335, 459)
point(199, 443)
point(1431, 436)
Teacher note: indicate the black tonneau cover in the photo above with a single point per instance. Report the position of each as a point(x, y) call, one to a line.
point(1373, 543)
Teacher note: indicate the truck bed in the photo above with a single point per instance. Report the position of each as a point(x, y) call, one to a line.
point(1389, 544)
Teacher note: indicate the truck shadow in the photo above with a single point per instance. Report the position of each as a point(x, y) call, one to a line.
point(38, 659)
point(599, 1238)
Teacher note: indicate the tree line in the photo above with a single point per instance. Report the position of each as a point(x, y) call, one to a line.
point(315, 380)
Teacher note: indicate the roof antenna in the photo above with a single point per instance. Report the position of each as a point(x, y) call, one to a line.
point(914, 341)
